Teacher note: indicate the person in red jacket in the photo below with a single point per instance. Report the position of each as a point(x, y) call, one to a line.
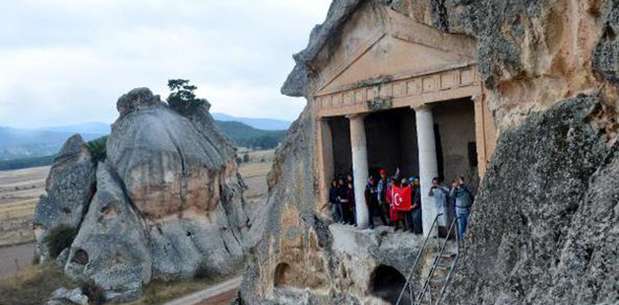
point(401, 202)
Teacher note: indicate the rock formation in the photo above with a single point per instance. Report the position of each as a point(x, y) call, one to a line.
point(544, 228)
point(69, 186)
point(165, 204)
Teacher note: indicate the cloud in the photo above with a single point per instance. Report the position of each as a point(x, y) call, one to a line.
point(67, 61)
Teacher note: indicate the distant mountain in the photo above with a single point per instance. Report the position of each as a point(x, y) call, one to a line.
point(30, 143)
point(88, 128)
point(258, 123)
point(244, 135)
point(36, 143)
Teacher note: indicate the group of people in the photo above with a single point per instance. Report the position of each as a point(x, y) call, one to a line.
point(397, 202)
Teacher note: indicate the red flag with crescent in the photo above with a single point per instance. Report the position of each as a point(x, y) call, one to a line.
point(402, 200)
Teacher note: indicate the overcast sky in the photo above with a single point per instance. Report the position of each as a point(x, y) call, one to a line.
point(67, 61)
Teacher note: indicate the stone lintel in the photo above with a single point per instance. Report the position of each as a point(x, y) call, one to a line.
point(395, 93)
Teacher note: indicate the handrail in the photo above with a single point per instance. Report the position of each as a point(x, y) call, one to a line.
point(426, 284)
point(454, 224)
point(419, 254)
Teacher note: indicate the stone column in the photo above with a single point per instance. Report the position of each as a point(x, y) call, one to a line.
point(358, 144)
point(325, 162)
point(428, 167)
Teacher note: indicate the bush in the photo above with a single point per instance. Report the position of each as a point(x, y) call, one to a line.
point(95, 294)
point(202, 273)
point(98, 149)
point(59, 239)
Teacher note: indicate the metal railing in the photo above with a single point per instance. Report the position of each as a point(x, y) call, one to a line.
point(418, 298)
point(411, 274)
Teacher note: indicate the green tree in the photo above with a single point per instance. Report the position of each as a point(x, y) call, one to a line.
point(98, 149)
point(182, 98)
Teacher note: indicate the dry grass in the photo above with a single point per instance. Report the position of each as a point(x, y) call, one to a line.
point(33, 285)
point(16, 178)
point(254, 173)
point(19, 194)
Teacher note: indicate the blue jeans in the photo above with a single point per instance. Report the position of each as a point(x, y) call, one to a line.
point(338, 213)
point(463, 218)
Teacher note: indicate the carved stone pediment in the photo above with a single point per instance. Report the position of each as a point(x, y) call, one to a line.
point(401, 49)
point(397, 63)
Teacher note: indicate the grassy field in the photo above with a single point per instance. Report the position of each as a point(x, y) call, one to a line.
point(34, 285)
point(19, 194)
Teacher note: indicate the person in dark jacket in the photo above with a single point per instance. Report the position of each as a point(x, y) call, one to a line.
point(440, 195)
point(382, 187)
point(336, 205)
point(464, 201)
point(371, 198)
point(417, 227)
point(349, 206)
point(342, 197)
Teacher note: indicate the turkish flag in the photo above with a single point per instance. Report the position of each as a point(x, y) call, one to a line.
point(402, 199)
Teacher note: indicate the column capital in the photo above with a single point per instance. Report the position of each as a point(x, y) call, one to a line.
point(354, 116)
point(422, 107)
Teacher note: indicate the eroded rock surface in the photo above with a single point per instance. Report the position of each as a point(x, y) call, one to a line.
point(544, 227)
point(111, 247)
point(69, 186)
point(168, 201)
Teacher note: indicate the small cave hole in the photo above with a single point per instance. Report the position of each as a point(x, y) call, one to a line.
point(189, 234)
point(524, 219)
point(282, 275)
point(609, 33)
point(80, 257)
point(66, 210)
point(386, 283)
point(109, 212)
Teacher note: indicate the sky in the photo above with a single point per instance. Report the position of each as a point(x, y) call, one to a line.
point(66, 62)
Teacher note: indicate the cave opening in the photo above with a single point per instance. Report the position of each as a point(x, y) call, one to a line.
point(386, 283)
point(282, 275)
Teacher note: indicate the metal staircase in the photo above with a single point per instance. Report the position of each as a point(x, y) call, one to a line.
point(444, 262)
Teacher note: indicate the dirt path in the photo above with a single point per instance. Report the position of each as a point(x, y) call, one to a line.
point(221, 299)
point(220, 294)
point(22, 254)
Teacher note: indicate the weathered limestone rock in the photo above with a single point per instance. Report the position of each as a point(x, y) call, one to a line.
point(111, 247)
point(182, 177)
point(165, 163)
point(533, 54)
point(69, 186)
point(168, 201)
point(544, 227)
point(63, 296)
point(606, 54)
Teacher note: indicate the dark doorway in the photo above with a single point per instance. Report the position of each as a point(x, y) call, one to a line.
point(456, 147)
point(342, 151)
point(392, 142)
point(386, 283)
